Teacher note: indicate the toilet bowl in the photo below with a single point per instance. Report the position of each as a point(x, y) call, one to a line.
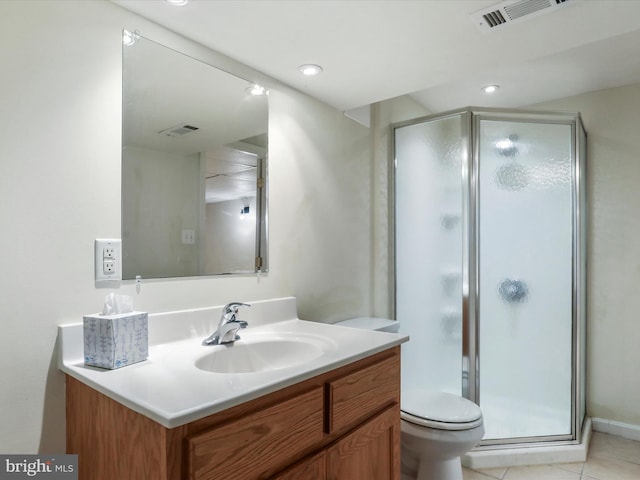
point(436, 427)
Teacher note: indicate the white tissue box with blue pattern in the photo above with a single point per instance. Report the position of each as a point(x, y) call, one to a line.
point(114, 341)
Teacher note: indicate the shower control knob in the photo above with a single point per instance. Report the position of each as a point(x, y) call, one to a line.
point(513, 291)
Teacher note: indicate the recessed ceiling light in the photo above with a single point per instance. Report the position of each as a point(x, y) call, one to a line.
point(310, 69)
point(490, 88)
point(177, 3)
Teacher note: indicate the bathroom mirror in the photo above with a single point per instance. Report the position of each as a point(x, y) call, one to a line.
point(194, 167)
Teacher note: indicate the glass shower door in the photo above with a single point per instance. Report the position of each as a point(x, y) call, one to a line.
point(430, 225)
point(525, 249)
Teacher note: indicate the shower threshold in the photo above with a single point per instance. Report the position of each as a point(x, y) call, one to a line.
point(534, 454)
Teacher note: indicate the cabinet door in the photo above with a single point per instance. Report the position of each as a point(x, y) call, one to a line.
point(370, 452)
point(312, 468)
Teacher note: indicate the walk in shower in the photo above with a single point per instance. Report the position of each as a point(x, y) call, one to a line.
point(490, 267)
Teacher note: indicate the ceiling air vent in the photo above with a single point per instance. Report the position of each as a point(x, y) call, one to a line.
point(509, 12)
point(178, 130)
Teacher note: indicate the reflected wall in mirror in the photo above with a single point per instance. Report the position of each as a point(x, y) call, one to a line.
point(194, 150)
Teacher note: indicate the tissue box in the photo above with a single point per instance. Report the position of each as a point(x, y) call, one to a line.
point(114, 341)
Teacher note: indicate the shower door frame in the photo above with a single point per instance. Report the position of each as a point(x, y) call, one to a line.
point(470, 375)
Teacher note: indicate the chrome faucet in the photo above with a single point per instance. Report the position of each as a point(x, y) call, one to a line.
point(228, 325)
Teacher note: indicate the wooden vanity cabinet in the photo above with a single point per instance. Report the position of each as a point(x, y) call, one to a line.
point(249, 446)
point(341, 425)
point(312, 468)
point(369, 452)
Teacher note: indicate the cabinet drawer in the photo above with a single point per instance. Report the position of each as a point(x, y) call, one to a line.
point(355, 397)
point(259, 443)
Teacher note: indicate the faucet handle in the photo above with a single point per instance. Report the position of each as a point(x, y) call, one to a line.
point(233, 307)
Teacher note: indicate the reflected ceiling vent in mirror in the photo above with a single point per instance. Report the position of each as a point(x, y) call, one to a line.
point(509, 11)
point(179, 130)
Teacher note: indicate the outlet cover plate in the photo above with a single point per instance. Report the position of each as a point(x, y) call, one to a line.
point(108, 261)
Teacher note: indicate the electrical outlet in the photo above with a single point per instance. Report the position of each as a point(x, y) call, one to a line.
point(108, 260)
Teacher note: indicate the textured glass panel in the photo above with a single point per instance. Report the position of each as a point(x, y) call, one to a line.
point(429, 252)
point(525, 278)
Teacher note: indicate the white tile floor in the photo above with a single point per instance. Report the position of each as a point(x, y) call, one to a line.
point(610, 458)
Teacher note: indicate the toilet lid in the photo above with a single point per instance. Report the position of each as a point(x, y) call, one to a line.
point(439, 406)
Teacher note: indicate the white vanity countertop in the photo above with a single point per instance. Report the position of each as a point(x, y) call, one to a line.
point(170, 389)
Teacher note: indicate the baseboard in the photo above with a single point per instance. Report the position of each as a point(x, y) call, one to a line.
point(620, 429)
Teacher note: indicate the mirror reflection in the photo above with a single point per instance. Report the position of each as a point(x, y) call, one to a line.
point(193, 167)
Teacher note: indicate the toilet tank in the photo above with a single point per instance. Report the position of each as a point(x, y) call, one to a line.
point(371, 323)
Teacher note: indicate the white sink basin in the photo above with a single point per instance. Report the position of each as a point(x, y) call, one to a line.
point(264, 354)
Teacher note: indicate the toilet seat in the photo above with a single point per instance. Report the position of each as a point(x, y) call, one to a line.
point(439, 410)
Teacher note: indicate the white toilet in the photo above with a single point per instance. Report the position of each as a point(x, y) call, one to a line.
point(436, 427)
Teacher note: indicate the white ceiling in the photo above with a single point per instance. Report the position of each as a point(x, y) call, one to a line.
point(374, 50)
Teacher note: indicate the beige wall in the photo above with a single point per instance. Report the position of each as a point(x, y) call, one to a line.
point(319, 240)
point(612, 119)
point(383, 115)
point(60, 93)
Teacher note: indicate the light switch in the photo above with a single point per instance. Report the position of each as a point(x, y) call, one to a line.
point(188, 237)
